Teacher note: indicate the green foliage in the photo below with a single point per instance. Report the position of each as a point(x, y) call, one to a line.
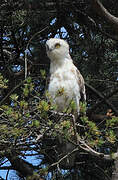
point(14, 97)
point(110, 136)
point(44, 171)
point(3, 82)
point(83, 108)
point(16, 115)
point(28, 87)
point(64, 128)
point(19, 16)
point(112, 122)
point(36, 123)
point(92, 134)
point(95, 136)
point(23, 104)
point(71, 108)
point(43, 73)
point(60, 92)
point(35, 176)
point(43, 108)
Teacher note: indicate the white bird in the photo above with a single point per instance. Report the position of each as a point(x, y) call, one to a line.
point(66, 83)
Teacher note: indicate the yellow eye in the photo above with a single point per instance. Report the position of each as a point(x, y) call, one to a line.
point(57, 45)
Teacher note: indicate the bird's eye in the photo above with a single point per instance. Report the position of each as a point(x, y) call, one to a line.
point(57, 45)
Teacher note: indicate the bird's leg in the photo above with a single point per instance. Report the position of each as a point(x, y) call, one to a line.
point(78, 105)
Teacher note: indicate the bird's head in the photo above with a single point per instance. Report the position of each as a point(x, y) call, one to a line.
point(57, 49)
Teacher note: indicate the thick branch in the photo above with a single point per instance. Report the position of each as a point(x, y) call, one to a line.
point(101, 11)
point(23, 167)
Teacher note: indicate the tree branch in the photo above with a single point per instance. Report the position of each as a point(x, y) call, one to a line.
point(64, 157)
point(101, 11)
point(102, 97)
point(27, 47)
point(102, 100)
point(20, 165)
point(4, 99)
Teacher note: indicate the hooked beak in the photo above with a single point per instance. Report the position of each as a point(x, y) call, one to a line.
point(48, 49)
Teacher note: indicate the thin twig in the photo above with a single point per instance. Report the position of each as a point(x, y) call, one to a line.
point(26, 51)
point(107, 97)
point(103, 98)
point(7, 174)
point(64, 157)
point(12, 90)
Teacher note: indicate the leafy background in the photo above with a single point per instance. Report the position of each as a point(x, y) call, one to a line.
point(28, 126)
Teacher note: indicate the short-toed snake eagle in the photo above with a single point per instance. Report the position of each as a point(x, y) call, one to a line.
point(66, 82)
